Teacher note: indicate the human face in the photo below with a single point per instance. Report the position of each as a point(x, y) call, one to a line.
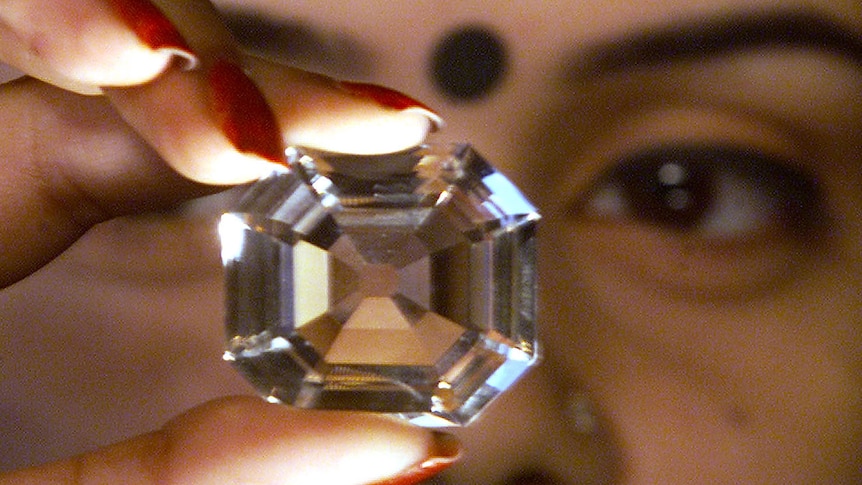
point(714, 344)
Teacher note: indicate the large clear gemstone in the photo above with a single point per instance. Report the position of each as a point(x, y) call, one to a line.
point(401, 284)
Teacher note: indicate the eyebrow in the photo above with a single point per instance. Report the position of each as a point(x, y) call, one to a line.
point(716, 36)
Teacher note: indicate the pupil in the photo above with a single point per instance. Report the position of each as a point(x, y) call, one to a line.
point(673, 194)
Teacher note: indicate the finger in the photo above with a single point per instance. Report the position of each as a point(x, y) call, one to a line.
point(343, 117)
point(246, 440)
point(225, 123)
point(207, 121)
point(83, 44)
point(69, 162)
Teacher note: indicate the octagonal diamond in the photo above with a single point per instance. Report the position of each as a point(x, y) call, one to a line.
point(400, 284)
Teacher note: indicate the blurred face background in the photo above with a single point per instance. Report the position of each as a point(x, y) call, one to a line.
point(698, 167)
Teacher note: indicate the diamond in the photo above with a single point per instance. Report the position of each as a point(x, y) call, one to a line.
point(401, 284)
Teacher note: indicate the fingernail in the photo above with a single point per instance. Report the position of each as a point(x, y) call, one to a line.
point(243, 114)
point(444, 451)
point(154, 29)
point(392, 99)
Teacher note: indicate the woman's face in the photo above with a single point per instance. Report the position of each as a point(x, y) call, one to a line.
point(701, 243)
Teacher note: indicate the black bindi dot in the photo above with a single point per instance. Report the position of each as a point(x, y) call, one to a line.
point(468, 63)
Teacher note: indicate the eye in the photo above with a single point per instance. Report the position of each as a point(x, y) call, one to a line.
point(714, 192)
point(700, 222)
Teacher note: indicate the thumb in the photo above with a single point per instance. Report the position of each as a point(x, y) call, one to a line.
point(248, 440)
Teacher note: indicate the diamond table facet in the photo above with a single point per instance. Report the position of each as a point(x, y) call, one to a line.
point(402, 283)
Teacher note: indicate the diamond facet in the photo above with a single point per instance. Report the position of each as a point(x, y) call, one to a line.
point(402, 283)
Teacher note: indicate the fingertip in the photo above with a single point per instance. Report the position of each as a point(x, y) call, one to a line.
point(188, 60)
point(444, 450)
point(136, 64)
point(392, 99)
point(361, 133)
point(157, 35)
point(228, 167)
point(340, 116)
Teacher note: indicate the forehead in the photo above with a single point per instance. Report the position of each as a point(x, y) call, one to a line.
point(393, 43)
point(406, 25)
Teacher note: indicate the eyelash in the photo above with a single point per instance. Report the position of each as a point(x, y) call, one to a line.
point(715, 192)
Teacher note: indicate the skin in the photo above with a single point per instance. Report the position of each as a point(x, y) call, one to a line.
point(707, 359)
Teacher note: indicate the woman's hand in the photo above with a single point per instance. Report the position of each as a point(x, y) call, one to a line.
point(213, 115)
point(182, 111)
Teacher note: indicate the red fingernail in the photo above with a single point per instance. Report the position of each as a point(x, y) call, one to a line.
point(390, 98)
point(444, 451)
point(243, 113)
point(154, 29)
